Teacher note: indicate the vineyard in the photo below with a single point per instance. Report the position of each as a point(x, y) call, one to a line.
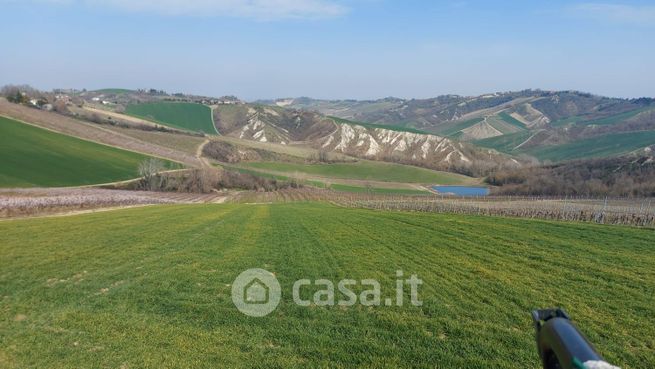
point(618, 211)
point(47, 201)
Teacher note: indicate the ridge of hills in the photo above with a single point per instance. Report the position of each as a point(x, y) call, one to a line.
point(529, 122)
point(468, 135)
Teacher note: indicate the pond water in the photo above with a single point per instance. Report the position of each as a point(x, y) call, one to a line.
point(462, 190)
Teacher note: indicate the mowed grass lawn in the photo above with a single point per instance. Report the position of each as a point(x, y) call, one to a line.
point(150, 288)
point(31, 156)
point(366, 170)
point(187, 116)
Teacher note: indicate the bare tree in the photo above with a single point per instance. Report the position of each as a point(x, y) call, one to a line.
point(13, 94)
point(19, 94)
point(369, 187)
point(60, 107)
point(149, 170)
point(323, 156)
point(204, 180)
point(95, 118)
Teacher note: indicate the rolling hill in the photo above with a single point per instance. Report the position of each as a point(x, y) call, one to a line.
point(293, 127)
point(616, 144)
point(469, 131)
point(366, 170)
point(555, 121)
point(187, 116)
point(35, 157)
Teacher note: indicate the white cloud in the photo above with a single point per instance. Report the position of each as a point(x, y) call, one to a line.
point(258, 9)
point(617, 13)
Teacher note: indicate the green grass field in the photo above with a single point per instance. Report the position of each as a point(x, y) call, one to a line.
point(613, 119)
point(617, 118)
point(33, 157)
point(503, 126)
point(366, 170)
point(505, 143)
point(150, 288)
point(454, 128)
point(511, 120)
point(391, 127)
point(334, 186)
point(596, 147)
point(567, 121)
point(188, 116)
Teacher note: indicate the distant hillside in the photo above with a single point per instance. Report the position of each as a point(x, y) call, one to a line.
point(544, 124)
point(625, 176)
point(286, 126)
point(470, 135)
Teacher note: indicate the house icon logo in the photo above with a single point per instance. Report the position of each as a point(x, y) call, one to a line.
point(256, 292)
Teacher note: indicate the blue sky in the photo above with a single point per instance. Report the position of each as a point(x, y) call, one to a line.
point(331, 48)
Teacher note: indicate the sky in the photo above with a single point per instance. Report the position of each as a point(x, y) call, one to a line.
point(334, 49)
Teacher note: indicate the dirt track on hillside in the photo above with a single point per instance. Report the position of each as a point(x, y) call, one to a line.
point(119, 116)
point(92, 132)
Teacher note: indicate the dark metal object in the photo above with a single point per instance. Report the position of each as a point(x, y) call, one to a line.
point(559, 343)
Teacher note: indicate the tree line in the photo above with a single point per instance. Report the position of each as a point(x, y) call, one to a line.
point(631, 176)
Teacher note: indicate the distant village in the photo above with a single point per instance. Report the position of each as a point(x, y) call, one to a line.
point(59, 99)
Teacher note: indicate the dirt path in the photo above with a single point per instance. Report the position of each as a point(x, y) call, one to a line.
point(204, 162)
point(495, 109)
point(211, 115)
point(528, 139)
point(125, 117)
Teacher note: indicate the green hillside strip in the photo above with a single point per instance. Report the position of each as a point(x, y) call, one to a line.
point(188, 116)
point(35, 157)
point(390, 127)
point(616, 118)
point(566, 121)
point(453, 128)
point(334, 186)
point(602, 146)
point(504, 143)
point(151, 287)
point(256, 173)
point(366, 170)
point(377, 190)
point(502, 126)
point(511, 120)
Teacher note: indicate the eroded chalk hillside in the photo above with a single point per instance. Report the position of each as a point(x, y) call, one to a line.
point(384, 143)
point(294, 127)
point(544, 125)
